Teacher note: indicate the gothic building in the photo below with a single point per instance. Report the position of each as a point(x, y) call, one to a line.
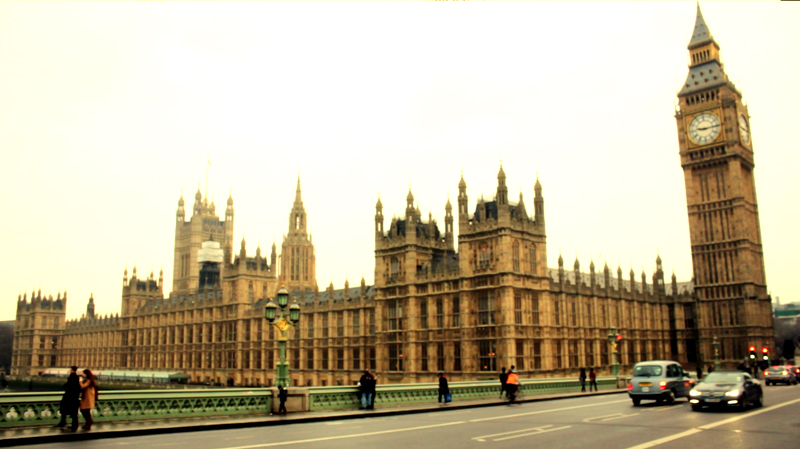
point(465, 301)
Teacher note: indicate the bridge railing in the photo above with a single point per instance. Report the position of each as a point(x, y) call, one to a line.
point(31, 409)
point(336, 398)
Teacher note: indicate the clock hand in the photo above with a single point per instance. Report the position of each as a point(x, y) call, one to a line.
point(707, 127)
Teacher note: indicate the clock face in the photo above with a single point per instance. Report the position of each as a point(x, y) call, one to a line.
point(704, 128)
point(744, 130)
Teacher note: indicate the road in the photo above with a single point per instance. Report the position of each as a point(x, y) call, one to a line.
point(598, 422)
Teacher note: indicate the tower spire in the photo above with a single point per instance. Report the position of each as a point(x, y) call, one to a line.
point(701, 34)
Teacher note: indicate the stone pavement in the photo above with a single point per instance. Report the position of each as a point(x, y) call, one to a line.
point(49, 434)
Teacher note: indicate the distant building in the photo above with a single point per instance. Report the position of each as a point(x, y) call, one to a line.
point(6, 345)
point(492, 301)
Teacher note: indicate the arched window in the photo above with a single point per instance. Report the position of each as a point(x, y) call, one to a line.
point(532, 260)
point(395, 267)
point(515, 255)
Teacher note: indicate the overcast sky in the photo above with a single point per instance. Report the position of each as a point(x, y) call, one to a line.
point(109, 110)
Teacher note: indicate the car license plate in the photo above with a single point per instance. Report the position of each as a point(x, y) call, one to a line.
point(645, 384)
point(645, 389)
point(712, 400)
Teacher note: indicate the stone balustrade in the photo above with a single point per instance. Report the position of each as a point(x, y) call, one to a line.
point(32, 409)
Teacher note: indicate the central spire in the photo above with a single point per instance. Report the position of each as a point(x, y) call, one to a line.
point(298, 196)
point(701, 34)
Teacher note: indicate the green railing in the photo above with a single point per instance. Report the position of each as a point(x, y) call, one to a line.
point(337, 398)
point(32, 409)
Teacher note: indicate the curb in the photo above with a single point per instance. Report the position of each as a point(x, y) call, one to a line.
point(86, 436)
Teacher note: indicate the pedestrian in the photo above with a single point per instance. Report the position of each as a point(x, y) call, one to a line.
point(710, 369)
point(365, 385)
point(699, 372)
point(512, 385)
point(582, 378)
point(443, 388)
point(70, 402)
point(742, 367)
point(503, 378)
point(373, 383)
point(592, 380)
point(283, 394)
point(90, 393)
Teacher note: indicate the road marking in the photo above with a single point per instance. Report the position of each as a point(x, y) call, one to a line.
point(662, 409)
point(711, 426)
point(608, 417)
point(340, 437)
point(547, 411)
point(534, 433)
point(513, 431)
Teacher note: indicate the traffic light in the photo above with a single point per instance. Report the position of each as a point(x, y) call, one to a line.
point(752, 352)
point(765, 354)
point(619, 338)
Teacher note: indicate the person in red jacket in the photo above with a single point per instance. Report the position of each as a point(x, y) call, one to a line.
point(512, 385)
point(592, 380)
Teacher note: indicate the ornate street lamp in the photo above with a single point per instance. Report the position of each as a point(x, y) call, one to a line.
point(715, 343)
point(282, 324)
point(613, 339)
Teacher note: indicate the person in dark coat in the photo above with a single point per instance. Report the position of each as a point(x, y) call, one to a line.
point(443, 387)
point(373, 383)
point(365, 386)
point(699, 372)
point(503, 379)
point(283, 394)
point(70, 402)
point(582, 379)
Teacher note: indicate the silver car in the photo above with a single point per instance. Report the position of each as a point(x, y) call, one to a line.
point(780, 375)
point(661, 380)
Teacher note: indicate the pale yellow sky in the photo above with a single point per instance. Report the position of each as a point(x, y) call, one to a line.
point(108, 110)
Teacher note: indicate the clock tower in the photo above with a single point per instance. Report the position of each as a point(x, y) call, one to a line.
point(716, 151)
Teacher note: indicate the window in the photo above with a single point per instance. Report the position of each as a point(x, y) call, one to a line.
point(439, 313)
point(310, 359)
point(532, 261)
point(324, 352)
point(520, 346)
point(356, 359)
point(231, 359)
point(340, 324)
point(311, 326)
point(487, 355)
point(515, 255)
point(395, 266)
point(251, 296)
point(589, 320)
point(324, 325)
point(231, 331)
point(485, 307)
point(372, 323)
point(456, 356)
point(589, 352)
point(535, 308)
point(485, 256)
point(574, 314)
point(295, 359)
point(372, 363)
point(395, 315)
point(340, 359)
point(559, 360)
point(247, 330)
point(395, 357)
point(257, 360)
point(456, 312)
point(537, 355)
point(557, 311)
point(424, 357)
point(356, 322)
point(246, 360)
point(440, 356)
point(517, 307)
point(688, 316)
point(423, 313)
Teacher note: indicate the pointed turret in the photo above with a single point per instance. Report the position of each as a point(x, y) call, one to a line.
point(181, 213)
point(463, 201)
point(243, 251)
point(701, 35)
point(538, 204)
point(273, 257)
point(125, 276)
point(449, 234)
point(229, 208)
point(379, 218)
point(90, 306)
point(198, 203)
point(502, 189)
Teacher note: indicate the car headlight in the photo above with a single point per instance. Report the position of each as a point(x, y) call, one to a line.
point(695, 393)
point(734, 393)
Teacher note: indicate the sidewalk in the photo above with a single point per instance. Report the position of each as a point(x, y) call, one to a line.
point(48, 434)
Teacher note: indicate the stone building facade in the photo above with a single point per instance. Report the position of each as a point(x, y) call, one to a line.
point(465, 302)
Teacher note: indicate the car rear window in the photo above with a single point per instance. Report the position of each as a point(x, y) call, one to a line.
point(776, 370)
point(723, 377)
point(648, 370)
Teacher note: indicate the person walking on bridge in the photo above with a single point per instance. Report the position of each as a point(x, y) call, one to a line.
point(503, 379)
point(90, 395)
point(70, 401)
point(582, 378)
point(283, 394)
point(512, 385)
point(443, 388)
point(592, 380)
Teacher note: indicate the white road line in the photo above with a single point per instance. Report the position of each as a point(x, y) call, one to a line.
point(340, 437)
point(513, 431)
point(618, 417)
point(534, 433)
point(666, 439)
point(711, 426)
point(547, 411)
point(601, 417)
point(662, 409)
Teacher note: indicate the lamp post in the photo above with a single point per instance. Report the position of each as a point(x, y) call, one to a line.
point(715, 344)
point(282, 324)
point(613, 340)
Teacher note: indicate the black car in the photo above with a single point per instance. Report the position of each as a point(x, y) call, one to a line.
point(726, 389)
